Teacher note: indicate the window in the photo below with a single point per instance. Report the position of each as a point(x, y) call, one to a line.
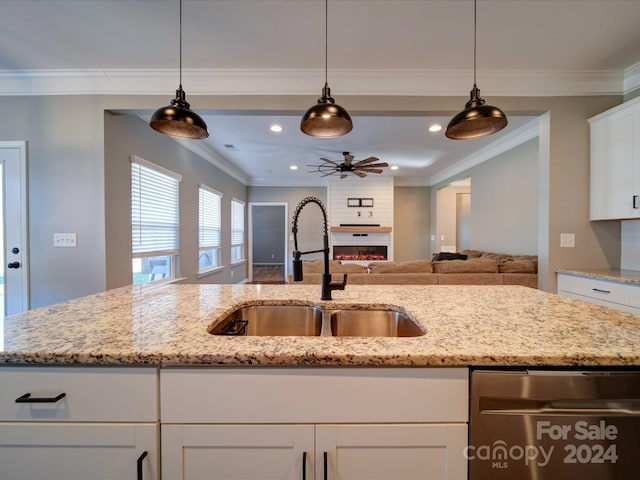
point(237, 230)
point(209, 239)
point(154, 221)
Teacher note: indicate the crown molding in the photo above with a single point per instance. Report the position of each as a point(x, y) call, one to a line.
point(523, 134)
point(308, 82)
point(632, 78)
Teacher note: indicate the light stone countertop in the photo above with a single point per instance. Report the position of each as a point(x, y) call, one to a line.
point(465, 325)
point(619, 276)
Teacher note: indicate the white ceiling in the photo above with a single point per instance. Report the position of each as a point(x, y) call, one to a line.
point(412, 47)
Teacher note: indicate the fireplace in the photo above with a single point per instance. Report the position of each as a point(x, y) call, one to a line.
point(360, 252)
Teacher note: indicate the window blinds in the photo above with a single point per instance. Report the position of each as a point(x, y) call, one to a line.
point(237, 222)
point(154, 209)
point(209, 218)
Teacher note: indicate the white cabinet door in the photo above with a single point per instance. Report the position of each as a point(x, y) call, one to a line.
point(391, 452)
point(65, 451)
point(237, 452)
point(615, 163)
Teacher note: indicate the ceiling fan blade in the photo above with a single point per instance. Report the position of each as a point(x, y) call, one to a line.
point(344, 175)
point(348, 158)
point(361, 174)
point(328, 161)
point(377, 165)
point(366, 160)
point(371, 170)
point(327, 174)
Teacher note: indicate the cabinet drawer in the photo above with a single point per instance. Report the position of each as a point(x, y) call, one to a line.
point(90, 394)
point(601, 290)
point(313, 395)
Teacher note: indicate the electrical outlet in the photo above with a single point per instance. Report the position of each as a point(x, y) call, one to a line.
point(567, 240)
point(65, 240)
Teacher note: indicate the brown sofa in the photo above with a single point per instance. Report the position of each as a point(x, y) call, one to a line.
point(480, 268)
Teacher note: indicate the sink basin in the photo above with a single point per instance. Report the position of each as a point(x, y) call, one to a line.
point(271, 320)
point(373, 323)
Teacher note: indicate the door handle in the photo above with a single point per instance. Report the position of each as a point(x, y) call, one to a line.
point(27, 398)
point(635, 202)
point(326, 470)
point(304, 465)
point(139, 464)
point(14, 265)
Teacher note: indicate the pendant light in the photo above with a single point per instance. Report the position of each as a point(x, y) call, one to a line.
point(477, 119)
point(326, 119)
point(177, 119)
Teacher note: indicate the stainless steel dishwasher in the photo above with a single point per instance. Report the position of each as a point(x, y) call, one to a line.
point(551, 425)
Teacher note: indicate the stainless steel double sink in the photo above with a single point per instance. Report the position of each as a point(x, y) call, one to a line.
point(301, 320)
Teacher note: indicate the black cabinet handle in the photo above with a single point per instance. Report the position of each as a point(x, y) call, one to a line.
point(635, 202)
point(27, 398)
point(600, 290)
point(140, 459)
point(326, 470)
point(304, 465)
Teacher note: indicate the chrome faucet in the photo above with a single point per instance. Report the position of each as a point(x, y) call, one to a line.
point(327, 284)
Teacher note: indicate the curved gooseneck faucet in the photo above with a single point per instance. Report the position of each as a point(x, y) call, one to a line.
point(327, 285)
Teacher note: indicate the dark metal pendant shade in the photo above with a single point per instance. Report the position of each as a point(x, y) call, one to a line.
point(326, 119)
point(476, 120)
point(178, 120)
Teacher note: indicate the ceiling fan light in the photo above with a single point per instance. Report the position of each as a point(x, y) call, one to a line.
point(178, 120)
point(326, 119)
point(476, 120)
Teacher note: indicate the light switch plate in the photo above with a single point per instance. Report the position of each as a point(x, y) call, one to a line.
point(567, 240)
point(65, 240)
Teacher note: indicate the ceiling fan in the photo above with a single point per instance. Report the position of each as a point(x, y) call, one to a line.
point(359, 168)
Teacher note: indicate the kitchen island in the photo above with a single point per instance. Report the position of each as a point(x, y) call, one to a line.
point(132, 381)
point(464, 325)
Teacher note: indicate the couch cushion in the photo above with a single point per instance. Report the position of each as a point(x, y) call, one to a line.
point(473, 265)
point(518, 266)
point(415, 266)
point(348, 268)
point(472, 253)
point(448, 256)
point(317, 266)
point(498, 257)
point(471, 279)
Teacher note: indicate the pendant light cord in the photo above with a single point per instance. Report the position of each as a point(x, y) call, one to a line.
point(326, 40)
point(180, 44)
point(475, 36)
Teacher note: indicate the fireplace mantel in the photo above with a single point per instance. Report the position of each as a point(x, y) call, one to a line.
point(361, 229)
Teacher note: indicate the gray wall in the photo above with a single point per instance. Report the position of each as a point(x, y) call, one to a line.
point(65, 154)
point(67, 172)
point(268, 234)
point(127, 135)
point(411, 223)
point(504, 202)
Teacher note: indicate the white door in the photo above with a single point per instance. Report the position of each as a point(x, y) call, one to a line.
point(391, 452)
point(14, 270)
point(237, 452)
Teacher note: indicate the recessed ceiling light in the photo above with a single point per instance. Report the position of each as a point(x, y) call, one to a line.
point(435, 127)
point(293, 167)
point(394, 167)
point(275, 128)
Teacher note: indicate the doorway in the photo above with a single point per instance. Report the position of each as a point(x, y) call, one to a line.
point(14, 273)
point(268, 237)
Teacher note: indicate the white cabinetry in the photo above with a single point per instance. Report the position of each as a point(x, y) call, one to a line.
point(621, 296)
point(385, 423)
point(78, 423)
point(615, 163)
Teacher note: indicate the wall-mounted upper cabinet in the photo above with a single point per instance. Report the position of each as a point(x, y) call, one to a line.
point(615, 163)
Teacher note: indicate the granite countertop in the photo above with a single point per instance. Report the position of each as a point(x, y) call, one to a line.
point(618, 276)
point(465, 325)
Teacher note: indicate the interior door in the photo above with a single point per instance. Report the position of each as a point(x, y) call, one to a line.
point(268, 242)
point(14, 274)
